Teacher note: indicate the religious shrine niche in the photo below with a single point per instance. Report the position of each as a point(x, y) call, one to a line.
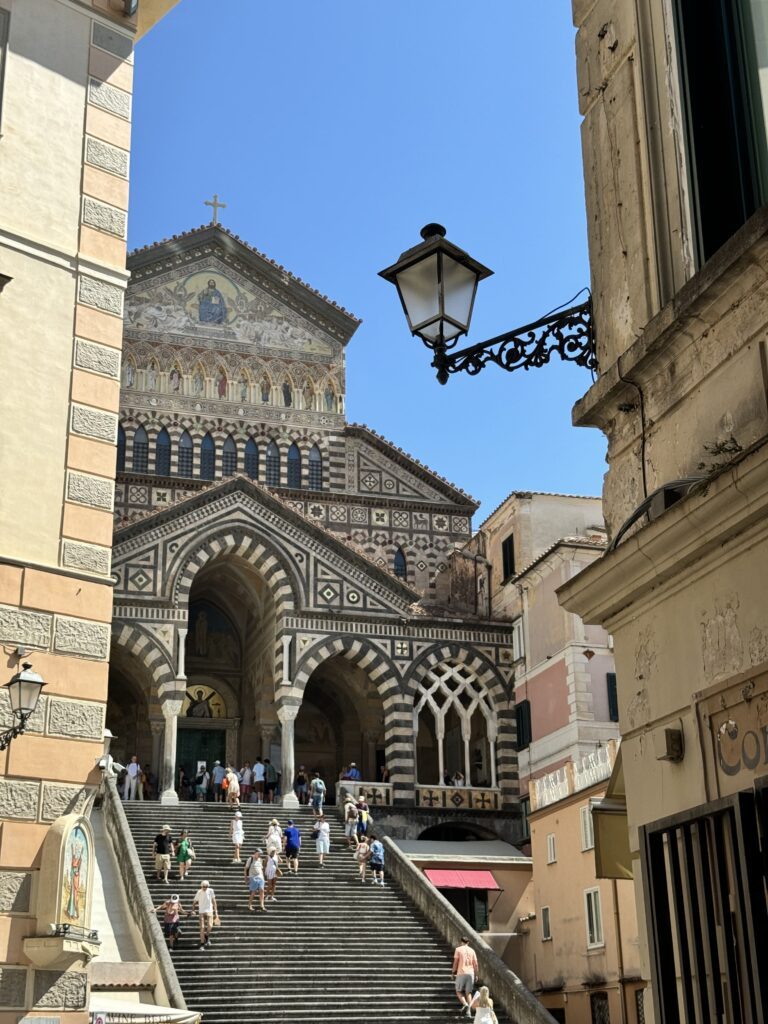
point(203, 702)
point(212, 638)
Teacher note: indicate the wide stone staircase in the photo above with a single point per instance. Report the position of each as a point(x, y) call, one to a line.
point(329, 949)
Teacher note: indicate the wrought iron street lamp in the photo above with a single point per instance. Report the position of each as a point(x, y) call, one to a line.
point(23, 693)
point(437, 282)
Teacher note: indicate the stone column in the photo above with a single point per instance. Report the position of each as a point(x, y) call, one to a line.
point(157, 728)
point(286, 660)
point(171, 705)
point(287, 715)
point(182, 669)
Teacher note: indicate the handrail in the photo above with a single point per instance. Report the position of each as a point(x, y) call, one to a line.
point(136, 890)
point(506, 988)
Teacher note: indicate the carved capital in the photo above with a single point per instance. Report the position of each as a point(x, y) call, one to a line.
point(157, 726)
point(288, 712)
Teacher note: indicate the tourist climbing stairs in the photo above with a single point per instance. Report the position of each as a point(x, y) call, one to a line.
point(328, 949)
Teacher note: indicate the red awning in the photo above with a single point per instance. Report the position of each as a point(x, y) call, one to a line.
point(461, 879)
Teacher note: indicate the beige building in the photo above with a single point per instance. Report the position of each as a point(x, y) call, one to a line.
point(66, 72)
point(578, 948)
point(675, 152)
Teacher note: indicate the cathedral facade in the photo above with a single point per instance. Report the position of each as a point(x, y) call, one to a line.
point(276, 566)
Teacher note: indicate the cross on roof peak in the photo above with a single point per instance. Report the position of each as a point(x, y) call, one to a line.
point(216, 207)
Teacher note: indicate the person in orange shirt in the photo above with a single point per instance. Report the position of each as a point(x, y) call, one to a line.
point(464, 971)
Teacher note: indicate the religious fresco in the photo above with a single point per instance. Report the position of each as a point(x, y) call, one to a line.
point(74, 884)
point(203, 702)
point(210, 302)
point(211, 635)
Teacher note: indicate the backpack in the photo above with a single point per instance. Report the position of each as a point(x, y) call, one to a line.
point(319, 785)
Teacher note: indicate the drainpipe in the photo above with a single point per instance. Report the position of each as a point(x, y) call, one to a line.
point(619, 951)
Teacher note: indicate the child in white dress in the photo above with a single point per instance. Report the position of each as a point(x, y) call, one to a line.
point(482, 1004)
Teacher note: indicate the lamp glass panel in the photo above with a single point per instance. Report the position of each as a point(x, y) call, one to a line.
point(459, 286)
point(419, 290)
point(24, 694)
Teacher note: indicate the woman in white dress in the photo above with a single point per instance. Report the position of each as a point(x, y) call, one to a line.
point(274, 838)
point(237, 835)
point(482, 1004)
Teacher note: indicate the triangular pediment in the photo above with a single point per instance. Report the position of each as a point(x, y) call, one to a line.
point(209, 289)
point(326, 574)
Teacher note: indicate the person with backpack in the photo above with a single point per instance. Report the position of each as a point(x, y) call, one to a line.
point(363, 817)
point(317, 795)
point(377, 860)
point(270, 780)
point(351, 815)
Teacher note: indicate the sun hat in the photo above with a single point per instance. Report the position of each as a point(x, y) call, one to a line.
point(215, 763)
point(274, 822)
point(238, 814)
point(175, 897)
point(166, 828)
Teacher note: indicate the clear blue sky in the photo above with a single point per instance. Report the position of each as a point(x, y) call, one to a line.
point(335, 129)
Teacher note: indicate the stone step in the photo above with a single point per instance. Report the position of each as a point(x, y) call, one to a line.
point(328, 949)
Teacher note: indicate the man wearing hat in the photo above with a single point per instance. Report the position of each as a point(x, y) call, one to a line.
point(163, 850)
point(353, 772)
point(205, 904)
point(254, 876)
point(351, 815)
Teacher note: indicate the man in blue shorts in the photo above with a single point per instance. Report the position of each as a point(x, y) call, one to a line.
point(376, 862)
point(292, 840)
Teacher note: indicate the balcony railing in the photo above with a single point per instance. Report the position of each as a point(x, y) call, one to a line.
point(458, 798)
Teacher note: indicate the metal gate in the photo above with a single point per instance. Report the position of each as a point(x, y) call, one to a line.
point(704, 874)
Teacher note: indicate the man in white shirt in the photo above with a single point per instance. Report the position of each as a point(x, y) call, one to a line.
point(258, 780)
point(132, 779)
point(205, 905)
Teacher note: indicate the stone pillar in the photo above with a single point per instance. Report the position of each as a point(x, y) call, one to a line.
point(171, 705)
point(286, 660)
point(182, 669)
point(157, 728)
point(287, 715)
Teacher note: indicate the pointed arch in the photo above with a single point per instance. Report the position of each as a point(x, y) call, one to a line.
point(294, 466)
point(315, 460)
point(207, 458)
point(273, 465)
point(163, 453)
point(186, 454)
point(140, 450)
point(400, 565)
point(198, 380)
point(252, 459)
point(120, 466)
point(229, 457)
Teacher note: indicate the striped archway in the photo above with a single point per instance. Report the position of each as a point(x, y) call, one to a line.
point(398, 710)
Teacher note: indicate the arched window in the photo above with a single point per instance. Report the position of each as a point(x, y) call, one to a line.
point(273, 465)
point(315, 469)
point(456, 728)
point(294, 466)
point(229, 457)
point(252, 459)
point(287, 394)
point(185, 455)
point(401, 567)
point(140, 450)
point(207, 458)
point(120, 449)
point(163, 453)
